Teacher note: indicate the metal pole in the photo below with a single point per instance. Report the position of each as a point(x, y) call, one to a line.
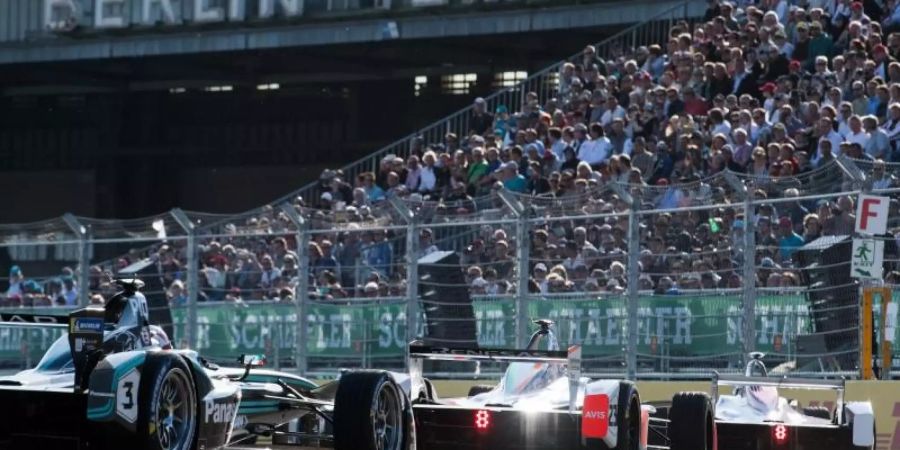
point(301, 290)
point(749, 297)
point(522, 253)
point(412, 269)
point(412, 280)
point(634, 253)
point(84, 258)
point(193, 279)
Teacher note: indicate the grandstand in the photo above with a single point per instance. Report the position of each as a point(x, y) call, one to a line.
point(639, 192)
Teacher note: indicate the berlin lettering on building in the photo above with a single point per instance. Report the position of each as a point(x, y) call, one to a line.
point(66, 15)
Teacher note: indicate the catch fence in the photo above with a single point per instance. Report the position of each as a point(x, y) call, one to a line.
point(655, 282)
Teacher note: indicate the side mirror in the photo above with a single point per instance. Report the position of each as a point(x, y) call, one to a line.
point(252, 360)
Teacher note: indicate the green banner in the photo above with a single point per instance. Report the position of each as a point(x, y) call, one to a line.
point(674, 326)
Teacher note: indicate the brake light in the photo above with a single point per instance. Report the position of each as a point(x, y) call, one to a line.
point(482, 420)
point(780, 433)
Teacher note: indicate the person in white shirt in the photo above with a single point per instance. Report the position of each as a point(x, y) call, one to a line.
point(892, 126)
point(844, 114)
point(597, 149)
point(719, 124)
point(413, 170)
point(826, 131)
point(613, 111)
point(856, 134)
point(427, 177)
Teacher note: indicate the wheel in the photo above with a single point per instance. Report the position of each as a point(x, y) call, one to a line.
point(691, 423)
point(628, 417)
point(369, 412)
point(167, 410)
point(817, 411)
point(479, 389)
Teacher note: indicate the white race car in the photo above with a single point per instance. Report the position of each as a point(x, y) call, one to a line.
point(756, 417)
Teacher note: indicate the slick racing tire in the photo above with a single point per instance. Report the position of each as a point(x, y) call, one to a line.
point(628, 417)
point(691, 422)
point(167, 406)
point(479, 389)
point(817, 411)
point(369, 413)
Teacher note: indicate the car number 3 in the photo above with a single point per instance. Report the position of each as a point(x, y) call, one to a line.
point(129, 395)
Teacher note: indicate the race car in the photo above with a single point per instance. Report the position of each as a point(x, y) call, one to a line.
point(755, 417)
point(113, 381)
point(542, 402)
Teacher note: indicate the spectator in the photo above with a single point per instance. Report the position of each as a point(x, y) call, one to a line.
point(789, 241)
point(482, 120)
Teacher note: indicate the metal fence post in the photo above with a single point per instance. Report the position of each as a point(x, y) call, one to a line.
point(749, 261)
point(193, 275)
point(522, 254)
point(301, 290)
point(412, 269)
point(633, 267)
point(634, 254)
point(84, 257)
point(412, 279)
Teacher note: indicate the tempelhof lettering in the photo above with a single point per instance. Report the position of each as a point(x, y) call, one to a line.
point(64, 15)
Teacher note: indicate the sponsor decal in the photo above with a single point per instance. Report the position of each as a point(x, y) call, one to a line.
point(219, 412)
point(87, 325)
point(595, 416)
point(240, 422)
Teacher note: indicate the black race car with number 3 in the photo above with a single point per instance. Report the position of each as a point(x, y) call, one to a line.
point(113, 382)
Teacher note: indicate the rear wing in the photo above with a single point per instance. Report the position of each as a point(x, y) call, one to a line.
point(788, 383)
point(571, 358)
point(838, 386)
point(427, 352)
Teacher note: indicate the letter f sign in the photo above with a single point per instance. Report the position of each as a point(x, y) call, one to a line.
point(871, 214)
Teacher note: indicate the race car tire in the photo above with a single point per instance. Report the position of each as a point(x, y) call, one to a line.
point(691, 425)
point(628, 417)
point(480, 389)
point(369, 407)
point(167, 410)
point(820, 412)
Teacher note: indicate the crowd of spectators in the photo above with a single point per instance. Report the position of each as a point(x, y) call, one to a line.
point(770, 90)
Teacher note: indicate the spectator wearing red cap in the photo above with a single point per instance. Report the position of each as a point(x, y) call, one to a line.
point(858, 14)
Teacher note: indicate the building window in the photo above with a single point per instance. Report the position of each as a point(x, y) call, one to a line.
point(224, 88)
point(458, 84)
point(421, 82)
point(509, 79)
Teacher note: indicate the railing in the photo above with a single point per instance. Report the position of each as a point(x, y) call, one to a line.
point(544, 83)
